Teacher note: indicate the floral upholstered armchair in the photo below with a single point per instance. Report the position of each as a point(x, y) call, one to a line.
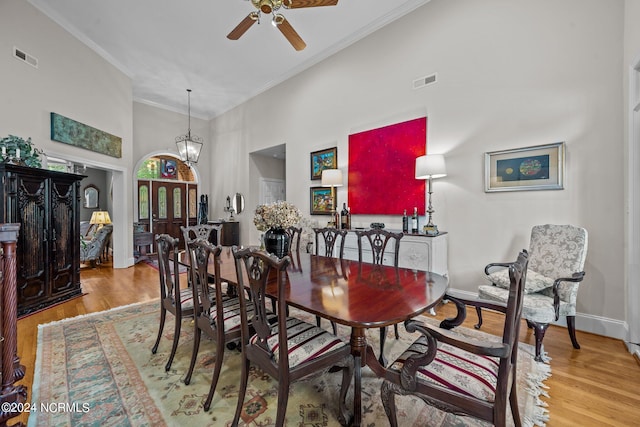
point(557, 255)
point(92, 250)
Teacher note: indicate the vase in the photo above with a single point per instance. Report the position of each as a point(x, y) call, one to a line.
point(276, 242)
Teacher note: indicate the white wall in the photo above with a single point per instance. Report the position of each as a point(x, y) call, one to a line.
point(71, 80)
point(510, 74)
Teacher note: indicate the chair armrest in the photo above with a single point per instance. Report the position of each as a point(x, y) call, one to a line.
point(575, 278)
point(434, 335)
point(495, 266)
point(461, 305)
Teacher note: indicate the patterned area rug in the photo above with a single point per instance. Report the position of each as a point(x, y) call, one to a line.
point(98, 369)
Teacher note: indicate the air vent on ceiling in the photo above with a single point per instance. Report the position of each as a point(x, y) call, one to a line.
point(24, 56)
point(423, 81)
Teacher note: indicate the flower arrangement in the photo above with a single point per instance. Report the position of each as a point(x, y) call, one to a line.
point(279, 214)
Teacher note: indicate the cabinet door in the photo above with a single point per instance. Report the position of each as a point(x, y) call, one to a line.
point(28, 205)
point(63, 237)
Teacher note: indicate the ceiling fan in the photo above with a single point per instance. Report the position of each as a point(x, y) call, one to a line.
point(278, 20)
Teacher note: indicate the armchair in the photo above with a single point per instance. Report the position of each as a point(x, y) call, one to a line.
point(479, 375)
point(557, 255)
point(92, 250)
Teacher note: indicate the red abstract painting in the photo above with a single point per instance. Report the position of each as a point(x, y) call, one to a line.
point(382, 169)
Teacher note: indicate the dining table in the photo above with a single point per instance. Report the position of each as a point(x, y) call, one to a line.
point(356, 294)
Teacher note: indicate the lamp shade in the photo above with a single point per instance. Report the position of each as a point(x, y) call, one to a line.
point(100, 217)
point(430, 166)
point(332, 178)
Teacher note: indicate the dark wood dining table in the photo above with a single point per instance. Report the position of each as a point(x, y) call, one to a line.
point(355, 294)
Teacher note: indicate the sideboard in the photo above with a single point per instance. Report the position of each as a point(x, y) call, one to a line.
point(417, 251)
point(230, 232)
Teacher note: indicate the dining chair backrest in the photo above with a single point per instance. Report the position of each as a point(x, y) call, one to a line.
point(294, 238)
point(329, 237)
point(379, 243)
point(204, 257)
point(254, 269)
point(201, 231)
point(167, 248)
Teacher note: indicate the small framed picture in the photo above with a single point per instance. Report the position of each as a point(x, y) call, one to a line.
point(323, 159)
point(320, 199)
point(531, 168)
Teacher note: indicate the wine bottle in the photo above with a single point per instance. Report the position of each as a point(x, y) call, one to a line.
point(405, 222)
point(414, 221)
point(344, 217)
point(348, 218)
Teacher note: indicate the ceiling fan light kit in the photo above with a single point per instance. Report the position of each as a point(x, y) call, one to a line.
point(279, 21)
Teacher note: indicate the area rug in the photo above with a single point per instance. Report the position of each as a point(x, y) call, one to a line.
point(98, 369)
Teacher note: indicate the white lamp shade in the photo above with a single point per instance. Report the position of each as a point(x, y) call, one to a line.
point(430, 166)
point(332, 178)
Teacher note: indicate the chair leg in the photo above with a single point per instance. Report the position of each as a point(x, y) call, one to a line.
point(571, 326)
point(347, 374)
point(539, 330)
point(176, 338)
point(389, 403)
point(335, 328)
point(163, 316)
point(479, 324)
point(318, 321)
point(395, 328)
point(216, 375)
point(513, 402)
point(283, 399)
point(383, 338)
point(244, 378)
point(194, 353)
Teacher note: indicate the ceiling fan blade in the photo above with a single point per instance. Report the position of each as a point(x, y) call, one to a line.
point(243, 26)
point(298, 4)
point(287, 30)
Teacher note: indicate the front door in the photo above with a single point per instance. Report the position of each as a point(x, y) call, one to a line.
point(168, 207)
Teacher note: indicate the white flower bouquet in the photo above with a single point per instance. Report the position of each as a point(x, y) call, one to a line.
point(279, 214)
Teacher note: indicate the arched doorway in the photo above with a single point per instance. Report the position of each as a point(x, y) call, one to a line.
point(166, 196)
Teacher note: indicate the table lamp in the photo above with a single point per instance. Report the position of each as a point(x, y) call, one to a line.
point(332, 178)
point(100, 218)
point(429, 167)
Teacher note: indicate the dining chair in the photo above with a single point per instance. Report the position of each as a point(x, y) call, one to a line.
point(379, 244)
point(217, 316)
point(557, 254)
point(295, 233)
point(330, 236)
point(292, 348)
point(174, 300)
point(461, 375)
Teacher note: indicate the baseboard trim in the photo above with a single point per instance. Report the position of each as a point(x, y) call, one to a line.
point(598, 325)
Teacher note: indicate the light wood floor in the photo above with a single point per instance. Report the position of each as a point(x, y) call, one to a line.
point(598, 385)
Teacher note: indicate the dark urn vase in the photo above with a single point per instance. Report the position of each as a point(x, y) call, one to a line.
point(276, 242)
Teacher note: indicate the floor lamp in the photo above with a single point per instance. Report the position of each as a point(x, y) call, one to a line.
point(429, 167)
point(332, 178)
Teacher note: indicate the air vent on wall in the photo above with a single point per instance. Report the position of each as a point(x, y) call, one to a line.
point(423, 81)
point(23, 56)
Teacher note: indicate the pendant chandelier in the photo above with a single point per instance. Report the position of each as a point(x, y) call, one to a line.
point(189, 146)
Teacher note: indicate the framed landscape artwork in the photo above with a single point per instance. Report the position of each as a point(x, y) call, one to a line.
point(323, 159)
point(320, 200)
point(539, 167)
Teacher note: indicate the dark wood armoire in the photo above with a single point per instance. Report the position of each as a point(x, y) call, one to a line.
point(46, 204)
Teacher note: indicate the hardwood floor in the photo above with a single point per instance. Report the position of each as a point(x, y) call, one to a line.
point(598, 385)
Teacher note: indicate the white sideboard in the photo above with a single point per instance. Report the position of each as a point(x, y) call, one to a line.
point(417, 251)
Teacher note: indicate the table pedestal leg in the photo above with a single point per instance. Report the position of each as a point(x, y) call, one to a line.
point(358, 350)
